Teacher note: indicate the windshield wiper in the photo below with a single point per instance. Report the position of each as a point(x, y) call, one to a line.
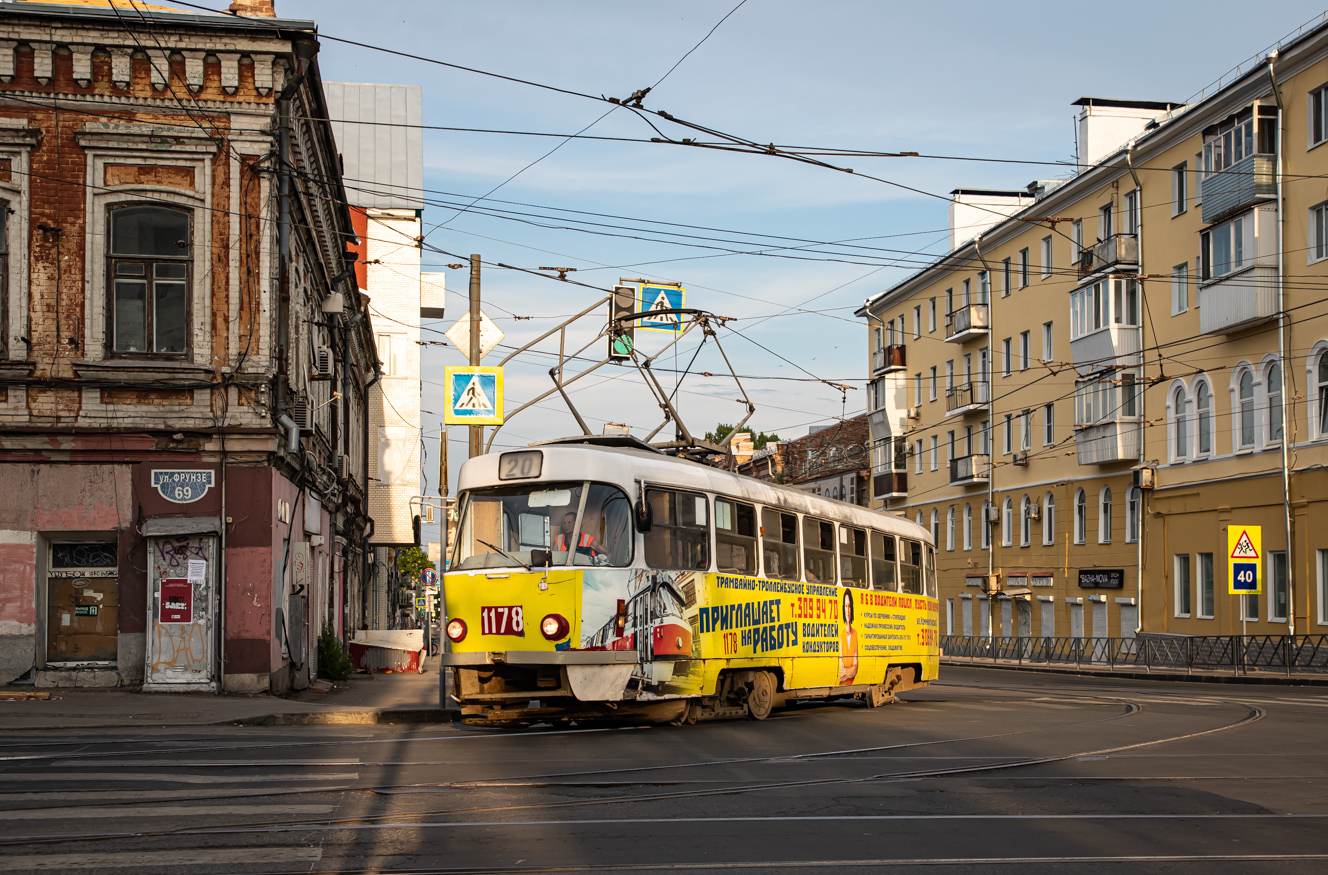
point(505, 553)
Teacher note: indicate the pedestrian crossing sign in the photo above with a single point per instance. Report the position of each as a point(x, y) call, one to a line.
point(1244, 549)
point(661, 298)
point(474, 395)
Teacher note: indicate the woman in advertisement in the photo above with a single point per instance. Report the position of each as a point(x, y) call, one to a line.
point(848, 643)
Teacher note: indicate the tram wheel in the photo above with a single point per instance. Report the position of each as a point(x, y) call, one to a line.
point(880, 695)
point(762, 696)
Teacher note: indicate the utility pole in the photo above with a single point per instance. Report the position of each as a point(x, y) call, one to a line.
point(476, 431)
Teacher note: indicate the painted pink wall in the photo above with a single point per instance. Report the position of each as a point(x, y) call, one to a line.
point(18, 573)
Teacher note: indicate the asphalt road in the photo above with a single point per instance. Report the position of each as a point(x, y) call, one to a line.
point(989, 770)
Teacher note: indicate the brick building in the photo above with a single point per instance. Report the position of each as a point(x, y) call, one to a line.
point(831, 461)
point(184, 360)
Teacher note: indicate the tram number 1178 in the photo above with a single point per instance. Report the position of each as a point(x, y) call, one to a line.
point(504, 620)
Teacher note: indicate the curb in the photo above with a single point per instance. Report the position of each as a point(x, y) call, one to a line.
point(1255, 680)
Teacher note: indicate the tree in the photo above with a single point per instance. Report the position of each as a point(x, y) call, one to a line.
point(410, 562)
point(759, 439)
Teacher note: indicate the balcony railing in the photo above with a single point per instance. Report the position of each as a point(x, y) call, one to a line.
point(967, 397)
point(970, 320)
point(1119, 252)
point(1238, 300)
point(889, 484)
point(1107, 442)
point(970, 469)
point(1250, 180)
point(888, 359)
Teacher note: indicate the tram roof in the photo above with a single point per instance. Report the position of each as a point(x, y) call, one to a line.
point(624, 460)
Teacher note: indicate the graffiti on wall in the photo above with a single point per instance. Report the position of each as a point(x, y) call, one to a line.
point(180, 642)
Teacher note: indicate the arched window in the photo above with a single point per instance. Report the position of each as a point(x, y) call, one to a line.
point(1180, 436)
point(949, 528)
point(1132, 507)
point(1080, 517)
point(1025, 522)
point(968, 527)
point(1245, 432)
point(1049, 519)
point(986, 526)
point(148, 270)
point(1007, 523)
point(1323, 395)
point(1104, 516)
point(935, 526)
point(919, 518)
point(1274, 384)
point(1203, 411)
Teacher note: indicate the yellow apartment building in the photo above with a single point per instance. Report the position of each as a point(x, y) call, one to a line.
point(1156, 320)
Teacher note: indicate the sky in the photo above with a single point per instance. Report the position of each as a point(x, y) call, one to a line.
point(971, 80)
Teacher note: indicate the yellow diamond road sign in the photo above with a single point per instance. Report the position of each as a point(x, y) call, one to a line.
point(1244, 550)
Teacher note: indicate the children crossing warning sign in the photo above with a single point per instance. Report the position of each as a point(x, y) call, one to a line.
point(660, 300)
point(1244, 549)
point(474, 396)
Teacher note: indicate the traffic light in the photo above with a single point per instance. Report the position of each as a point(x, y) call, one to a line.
point(415, 525)
point(622, 335)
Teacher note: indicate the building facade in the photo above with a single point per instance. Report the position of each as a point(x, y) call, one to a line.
point(831, 461)
point(185, 358)
point(1157, 316)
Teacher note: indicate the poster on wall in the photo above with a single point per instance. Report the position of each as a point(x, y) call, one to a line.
point(177, 600)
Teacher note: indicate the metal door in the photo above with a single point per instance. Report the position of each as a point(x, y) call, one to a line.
point(1076, 620)
point(182, 612)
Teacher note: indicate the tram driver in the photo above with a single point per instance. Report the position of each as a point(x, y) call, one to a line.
point(586, 543)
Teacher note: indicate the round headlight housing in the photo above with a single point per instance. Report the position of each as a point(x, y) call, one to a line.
point(456, 629)
point(554, 627)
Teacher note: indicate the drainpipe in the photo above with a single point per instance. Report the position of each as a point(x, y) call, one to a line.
point(991, 441)
point(1141, 384)
point(1281, 358)
point(368, 550)
point(292, 432)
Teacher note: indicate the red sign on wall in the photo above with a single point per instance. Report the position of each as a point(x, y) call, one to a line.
point(177, 600)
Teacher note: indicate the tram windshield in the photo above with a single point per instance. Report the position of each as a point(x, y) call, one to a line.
point(500, 528)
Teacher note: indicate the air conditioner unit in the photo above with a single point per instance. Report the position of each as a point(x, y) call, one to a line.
point(322, 361)
point(1021, 459)
point(915, 413)
point(1034, 512)
point(298, 410)
point(342, 466)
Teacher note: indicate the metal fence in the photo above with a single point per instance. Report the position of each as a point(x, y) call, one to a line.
point(1235, 653)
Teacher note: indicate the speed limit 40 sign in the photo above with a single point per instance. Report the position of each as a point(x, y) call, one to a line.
point(1244, 550)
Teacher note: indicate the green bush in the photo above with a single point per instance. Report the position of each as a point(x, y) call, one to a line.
point(334, 662)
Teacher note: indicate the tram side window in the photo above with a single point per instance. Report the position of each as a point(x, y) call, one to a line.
point(818, 550)
point(910, 566)
point(853, 556)
point(930, 581)
point(883, 568)
point(735, 537)
point(680, 534)
point(779, 544)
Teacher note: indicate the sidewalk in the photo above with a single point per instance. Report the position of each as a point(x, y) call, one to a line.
point(364, 699)
point(1199, 675)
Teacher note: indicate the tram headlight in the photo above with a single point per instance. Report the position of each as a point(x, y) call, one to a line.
point(554, 627)
point(456, 629)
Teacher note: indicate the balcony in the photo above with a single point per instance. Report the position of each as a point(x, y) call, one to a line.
point(888, 360)
point(970, 320)
point(1107, 442)
point(970, 469)
point(1245, 183)
point(1117, 252)
point(967, 398)
point(1238, 300)
point(889, 484)
point(1113, 346)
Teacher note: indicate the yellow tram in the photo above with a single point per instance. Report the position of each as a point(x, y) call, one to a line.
point(596, 577)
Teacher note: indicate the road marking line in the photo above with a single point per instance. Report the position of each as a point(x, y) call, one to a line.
point(143, 859)
point(118, 811)
point(200, 795)
point(47, 777)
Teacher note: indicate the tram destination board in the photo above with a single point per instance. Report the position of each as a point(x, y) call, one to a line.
point(1102, 578)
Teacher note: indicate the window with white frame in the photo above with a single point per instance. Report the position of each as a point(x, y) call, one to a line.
point(1104, 516)
point(1023, 267)
point(1025, 351)
point(1005, 277)
point(984, 437)
point(1318, 242)
point(986, 527)
point(1006, 356)
point(1182, 584)
point(1025, 522)
point(1229, 142)
point(984, 287)
point(385, 353)
point(935, 451)
point(950, 528)
point(1080, 517)
point(918, 518)
point(1245, 410)
point(1026, 431)
point(1203, 415)
point(1223, 248)
point(1278, 586)
point(1105, 225)
point(1132, 508)
point(1105, 398)
point(935, 526)
point(949, 375)
point(1180, 188)
point(1180, 289)
point(1103, 303)
point(1274, 393)
point(149, 266)
point(968, 527)
point(931, 383)
point(1049, 519)
point(1048, 337)
point(917, 389)
point(931, 315)
point(1132, 212)
point(1323, 585)
point(1318, 115)
point(1180, 433)
point(1322, 373)
point(1009, 433)
point(1206, 595)
point(917, 456)
point(1048, 424)
point(1046, 256)
point(1007, 523)
point(1076, 241)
